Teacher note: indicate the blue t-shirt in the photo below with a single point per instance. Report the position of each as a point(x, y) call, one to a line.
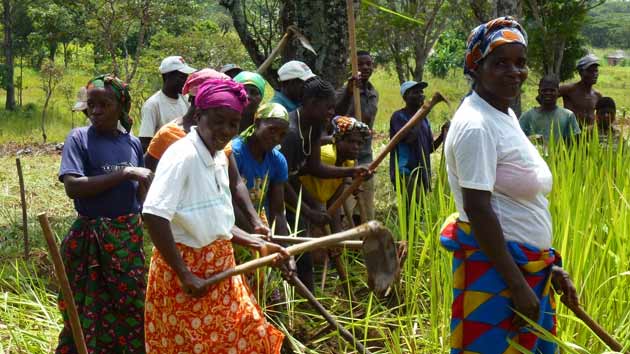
point(257, 175)
point(414, 151)
point(87, 153)
point(285, 101)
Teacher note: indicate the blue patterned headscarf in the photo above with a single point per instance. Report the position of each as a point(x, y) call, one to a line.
point(489, 36)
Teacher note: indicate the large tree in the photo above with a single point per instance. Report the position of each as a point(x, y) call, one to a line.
point(7, 23)
point(403, 31)
point(260, 24)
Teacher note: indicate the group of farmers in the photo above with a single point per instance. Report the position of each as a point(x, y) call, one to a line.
point(214, 165)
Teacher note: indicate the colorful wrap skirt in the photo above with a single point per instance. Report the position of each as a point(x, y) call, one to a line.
point(227, 320)
point(482, 310)
point(104, 260)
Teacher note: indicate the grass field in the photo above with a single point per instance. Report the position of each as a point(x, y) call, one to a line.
point(589, 204)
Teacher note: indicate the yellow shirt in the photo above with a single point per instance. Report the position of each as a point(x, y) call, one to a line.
point(322, 189)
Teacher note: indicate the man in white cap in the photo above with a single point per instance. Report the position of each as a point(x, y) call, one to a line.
point(168, 103)
point(580, 97)
point(291, 76)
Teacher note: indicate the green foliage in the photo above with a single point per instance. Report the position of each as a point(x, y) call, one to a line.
point(448, 53)
point(608, 25)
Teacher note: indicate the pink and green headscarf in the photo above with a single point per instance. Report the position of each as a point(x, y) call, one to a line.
point(121, 91)
point(488, 37)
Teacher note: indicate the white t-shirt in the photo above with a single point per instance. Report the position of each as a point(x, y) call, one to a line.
point(158, 110)
point(487, 150)
point(191, 189)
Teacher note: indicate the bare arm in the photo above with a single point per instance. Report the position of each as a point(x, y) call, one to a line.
point(291, 198)
point(86, 187)
point(144, 141)
point(276, 208)
point(489, 235)
point(150, 162)
point(315, 167)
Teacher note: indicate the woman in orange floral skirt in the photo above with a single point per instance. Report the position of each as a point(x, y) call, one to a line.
point(189, 214)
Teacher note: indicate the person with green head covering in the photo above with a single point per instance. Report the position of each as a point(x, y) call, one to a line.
point(102, 169)
point(255, 87)
point(261, 165)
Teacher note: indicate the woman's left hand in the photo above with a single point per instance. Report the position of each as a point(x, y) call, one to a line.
point(562, 283)
point(263, 230)
point(266, 248)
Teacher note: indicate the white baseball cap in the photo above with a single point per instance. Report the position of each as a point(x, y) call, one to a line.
point(175, 63)
point(81, 103)
point(295, 70)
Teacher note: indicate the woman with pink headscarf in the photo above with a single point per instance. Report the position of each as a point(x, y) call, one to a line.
point(189, 213)
point(179, 127)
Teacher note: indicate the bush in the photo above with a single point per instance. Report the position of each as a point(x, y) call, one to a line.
point(448, 53)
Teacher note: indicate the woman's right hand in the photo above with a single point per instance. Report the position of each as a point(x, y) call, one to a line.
point(526, 303)
point(193, 285)
point(139, 174)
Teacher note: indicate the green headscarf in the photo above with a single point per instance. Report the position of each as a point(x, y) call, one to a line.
point(250, 78)
point(266, 111)
point(121, 91)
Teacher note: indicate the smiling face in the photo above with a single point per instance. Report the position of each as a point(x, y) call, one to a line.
point(270, 132)
point(366, 66)
point(501, 74)
point(217, 126)
point(548, 94)
point(103, 109)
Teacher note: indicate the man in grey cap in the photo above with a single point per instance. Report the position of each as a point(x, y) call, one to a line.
point(580, 97)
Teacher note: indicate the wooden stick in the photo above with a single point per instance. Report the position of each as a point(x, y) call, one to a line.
point(274, 53)
point(418, 116)
point(353, 58)
point(359, 232)
point(595, 327)
point(27, 246)
point(293, 240)
point(304, 292)
point(71, 308)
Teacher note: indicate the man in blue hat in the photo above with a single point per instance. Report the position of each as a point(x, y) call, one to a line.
point(411, 159)
point(581, 97)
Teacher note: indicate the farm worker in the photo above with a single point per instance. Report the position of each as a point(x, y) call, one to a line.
point(369, 107)
point(167, 103)
point(302, 149)
point(262, 167)
point(291, 77)
point(549, 118)
point(501, 242)
point(581, 97)
point(247, 217)
point(189, 214)
point(255, 86)
point(101, 169)
point(609, 134)
point(231, 70)
point(411, 159)
point(349, 135)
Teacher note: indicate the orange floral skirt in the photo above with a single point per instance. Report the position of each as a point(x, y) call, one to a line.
point(226, 320)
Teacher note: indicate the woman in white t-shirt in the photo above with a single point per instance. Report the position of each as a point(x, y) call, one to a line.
point(501, 241)
point(189, 213)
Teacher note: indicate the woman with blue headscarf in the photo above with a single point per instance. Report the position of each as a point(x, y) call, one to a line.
point(501, 240)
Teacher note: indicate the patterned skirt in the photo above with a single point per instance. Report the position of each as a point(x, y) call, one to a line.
point(104, 260)
point(482, 312)
point(227, 320)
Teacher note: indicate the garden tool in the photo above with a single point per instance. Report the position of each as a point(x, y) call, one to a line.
point(418, 116)
point(353, 57)
point(291, 31)
point(60, 271)
point(292, 279)
point(378, 248)
point(594, 326)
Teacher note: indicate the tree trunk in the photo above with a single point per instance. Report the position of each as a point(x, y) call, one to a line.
point(44, 111)
point(398, 62)
point(65, 55)
point(8, 55)
point(144, 22)
point(52, 50)
point(325, 24)
point(21, 85)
